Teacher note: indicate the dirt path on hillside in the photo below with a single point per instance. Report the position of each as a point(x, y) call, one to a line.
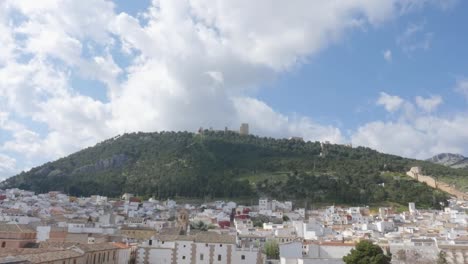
point(438, 184)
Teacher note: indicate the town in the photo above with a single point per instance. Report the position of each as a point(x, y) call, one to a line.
point(56, 228)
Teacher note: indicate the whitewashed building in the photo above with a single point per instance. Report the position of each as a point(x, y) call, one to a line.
point(201, 248)
point(314, 253)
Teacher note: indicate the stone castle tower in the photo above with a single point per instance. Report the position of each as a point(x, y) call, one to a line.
point(183, 221)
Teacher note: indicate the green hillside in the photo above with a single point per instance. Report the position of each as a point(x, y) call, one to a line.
point(228, 165)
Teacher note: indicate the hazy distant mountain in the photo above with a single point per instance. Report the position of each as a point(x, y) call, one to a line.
point(450, 160)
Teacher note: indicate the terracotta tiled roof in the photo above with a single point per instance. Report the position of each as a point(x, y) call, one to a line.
point(39, 255)
point(202, 237)
point(84, 247)
point(121, 245)
point(211, 237)
point(56, 245)
point(17, 251)
point(97, 247)
point(15, 228)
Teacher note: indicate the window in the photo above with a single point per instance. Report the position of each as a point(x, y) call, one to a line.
point(219, 257)
point(113, 256)
point(220, 245)
point(243, 257)
point(183, 257)
point(184, 245)
point(74, 261)
point(201, 256)
point(206, 244)
point(150, 242)
point(63, 262)
point(108, 256)
point(94, 259)
point(3, 244)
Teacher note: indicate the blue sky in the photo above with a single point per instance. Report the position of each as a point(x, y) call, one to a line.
point(390, 75)
point(341, 83)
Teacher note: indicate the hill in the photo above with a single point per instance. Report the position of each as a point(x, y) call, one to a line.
point(226, 164)
point(450, 160)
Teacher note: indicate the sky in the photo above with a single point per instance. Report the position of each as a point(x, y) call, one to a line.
point(391, 75)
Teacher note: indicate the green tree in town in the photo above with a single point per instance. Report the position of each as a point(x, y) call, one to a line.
point(442, 258)
point(366, 253)
point(271, 249)
point(200, 225)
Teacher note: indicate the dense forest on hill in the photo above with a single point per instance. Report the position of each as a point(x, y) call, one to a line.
point(218, 164)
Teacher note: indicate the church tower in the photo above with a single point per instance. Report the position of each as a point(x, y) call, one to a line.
point(183, 221)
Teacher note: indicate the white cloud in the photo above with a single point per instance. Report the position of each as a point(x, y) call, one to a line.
point(390, 137)
point(421, 137)
point(25, 141)
point(268, 122)
point(428, 104)
point(188, 63)
point(234, 43)
point(414, 5)
point(462, 87)
point(414, 132)
point(415, 37)
point(391, 103)
point(387, 54)
point(7, 165)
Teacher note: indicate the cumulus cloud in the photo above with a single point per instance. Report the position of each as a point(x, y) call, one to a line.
point(391, 103)
point(179, 65)
point(429, 104)
point(417, 131)
point(462, 87)
point(7, 165)
point(268, 122)
point(387, 54)
point(421, 138)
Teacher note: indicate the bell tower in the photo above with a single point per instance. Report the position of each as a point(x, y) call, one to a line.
point(183, 221)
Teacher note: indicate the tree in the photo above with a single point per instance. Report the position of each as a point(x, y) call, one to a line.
point(442, 258)
point(285, 218)
point(366, 253)
point(271, 249)
point(259, 220)
point(200, 225)
point(225, 164)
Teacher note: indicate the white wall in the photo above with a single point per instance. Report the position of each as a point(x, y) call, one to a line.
point(140, 257)
point(202, 248)
point(291, 250)
point(184, 252)
point(324, 251)
point(220, 249)
point(123, 256)
point(289, 261)
point(299, 227)
point(43, 233)
point(320, 261)
point(250, 256)
point(156, 255)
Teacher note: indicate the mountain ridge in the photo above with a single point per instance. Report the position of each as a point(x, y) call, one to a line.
point(451, 160)
point(226, 164)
